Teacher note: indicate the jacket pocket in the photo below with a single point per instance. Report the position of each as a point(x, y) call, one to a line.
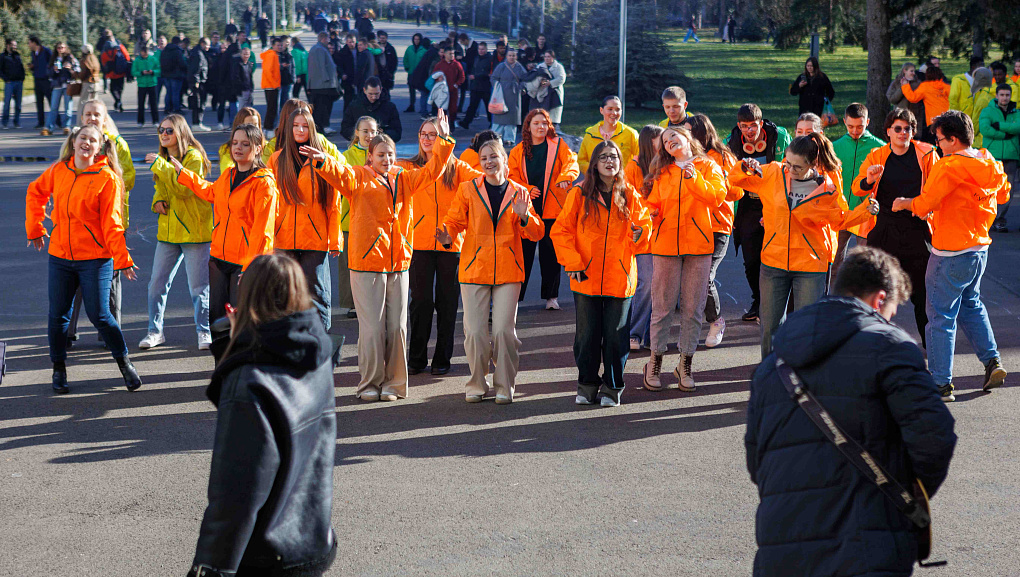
point(513, 252)
point(373, 245)
point(419, 222)
point(769, 242)
point(244, 235)
point(699, 229)
point(809, 246)
point(93, 236)
point(177, 216)
point(311, 222)
point(473, 259)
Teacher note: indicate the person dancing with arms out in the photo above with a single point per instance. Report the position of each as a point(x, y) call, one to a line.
point(597, 236)
point(87, 243)
point(495, 214)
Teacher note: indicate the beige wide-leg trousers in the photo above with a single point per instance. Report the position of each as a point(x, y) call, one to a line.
point(381, 302)
point(501, 346)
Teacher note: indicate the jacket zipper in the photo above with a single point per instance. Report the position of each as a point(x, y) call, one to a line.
point(435, 243)
point(605, 249)
point(67, 211)
point(679, 190)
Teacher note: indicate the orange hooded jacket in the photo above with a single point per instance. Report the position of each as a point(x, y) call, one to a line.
point(934, 94)
point(307, 225)
point(380, 235)
point(270, 69)
point(927, 156)
point(601, 244)
point(798, 239)
point(244, 218)
point(636, 179)
point(431, 203)
point(492, 253)
point(560, 166)
point(683, 226)
point(470, 156)
point(722, 217)
point(961, 195)
point(86, 213)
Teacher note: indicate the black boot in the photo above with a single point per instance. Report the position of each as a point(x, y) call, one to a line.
point(60, 379)
point(131, 380)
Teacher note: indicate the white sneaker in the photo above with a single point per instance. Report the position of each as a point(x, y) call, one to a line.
point(203, 128)
point(329, 131)
point(220, 127)
point(715, 333)
point(582, 400)
point(502, 399)
point(204, 340)
point(151, 340)
point(552, 304)
point(369, 396)
point(635, 344)
point(474, 398)
point(608, 402)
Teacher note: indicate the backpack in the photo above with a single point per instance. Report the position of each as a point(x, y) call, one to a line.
point(120, 63)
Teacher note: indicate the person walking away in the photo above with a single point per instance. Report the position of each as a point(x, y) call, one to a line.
point(271, 85)
point(62, 71)
point(961, 194)
point(851, 150)
point(309, 208)
point(116, 65)
point(433, 271)
point(39, 64)
point(300, 56)
point(322, 84)
point(198, 74)
point(371, 102)
point(480, 85)
point(934, 92)
point(183, 231)
point(703, 131)
point(559, 77)
point(812, 88)
point(610, 128)
point(145, 70)
point(674, 104)
point(801, 204)
point(692, 29)
point(759, 138)
point(77, 258)
point(388, 61)
point(509, 75)
point(900, 169)
point(685, 187)
point(597, 235)
point(1000, 124)
point(495, 214)
point(173, 68)
point(262, 25)
point(355, 155)
point(271, 482)
point(244, 200)
point(412, 56)
point(454, 73)
point(640, 313)
point(895, 94)
point(871, 379)
point(544, 164)
point(12, 72)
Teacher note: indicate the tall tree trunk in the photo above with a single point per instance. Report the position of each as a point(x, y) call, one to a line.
point(977, 18)
point(879, 59)
point(830, 32)
point(722, 17)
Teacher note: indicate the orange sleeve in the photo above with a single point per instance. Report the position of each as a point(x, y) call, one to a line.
point(39, 192)
point(570, 170)
point(911, 94)
point(534, 229)
point(515, 166)
point(434, 168)
point(749, 182)
point(862, 176)
point(939, 184)
point(710, 186)
point(110, 207)
point(339, 176)
point(456, 219)
point(563, 233)
point(641, 217)
point(201, 187)
point(262, 205)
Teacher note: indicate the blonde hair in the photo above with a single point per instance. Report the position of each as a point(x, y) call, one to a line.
point(106, 148)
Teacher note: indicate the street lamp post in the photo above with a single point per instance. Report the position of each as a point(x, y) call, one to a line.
point(154, 35)
point(621, 80)
point(84, 23)
point(228, 11)
point(274, 17)
point(201, 18)
point(541, 22)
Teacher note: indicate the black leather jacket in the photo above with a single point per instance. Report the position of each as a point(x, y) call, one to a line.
point(271, 481)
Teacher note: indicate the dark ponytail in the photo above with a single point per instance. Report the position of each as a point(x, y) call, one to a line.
point(817, 150)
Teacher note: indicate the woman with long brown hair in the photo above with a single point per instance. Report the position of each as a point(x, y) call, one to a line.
point(86, 245)
point(597, 236)
point(90, 75)
point(246, 115)
point(183, 231)
point(433, 272)
point(263, 467)
point(704, 132)
point(640, 313)
point(308, 213)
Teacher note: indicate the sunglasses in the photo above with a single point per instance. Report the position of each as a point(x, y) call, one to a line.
point(166, 131)
point(899, 129)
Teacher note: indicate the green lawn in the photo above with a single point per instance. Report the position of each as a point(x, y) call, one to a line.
point(724, 76)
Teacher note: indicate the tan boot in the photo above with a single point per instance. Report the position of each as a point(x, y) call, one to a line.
point(684, 373)
point(652, 371)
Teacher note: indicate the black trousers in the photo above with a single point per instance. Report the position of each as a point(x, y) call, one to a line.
point(909, 247)
point(147, 93)
point(299, 83)
point(751, 235)
point(196, 102)
point(432, 269)
point(478, 97)
point(223, 277)
point(42, 96)
point(322, 107)
point(116, 90)
point(272, 106)
point(546, 260)
point(349, 93)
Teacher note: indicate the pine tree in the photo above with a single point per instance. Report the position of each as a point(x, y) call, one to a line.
point(39, 22)
point(10, 26)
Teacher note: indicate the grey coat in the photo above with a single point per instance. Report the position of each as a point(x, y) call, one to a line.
point(321, 68)
point(510, 80)
point(559, 76)
point(895, 96)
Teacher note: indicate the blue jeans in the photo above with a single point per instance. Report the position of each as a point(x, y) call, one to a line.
point(423, 102)
point(285, 93)
point(94, 278)
point(315, 264)
point(53, 120)
point(165, 264)
point(12, 90)
point(172, 102)
point(776, 287)
point(954, 294)
point(508, 132)
point(713, 306)
point(601, 338)
point(641, 305)
point(691, 34)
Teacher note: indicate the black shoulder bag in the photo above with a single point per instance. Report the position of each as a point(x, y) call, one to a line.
point(913, 503)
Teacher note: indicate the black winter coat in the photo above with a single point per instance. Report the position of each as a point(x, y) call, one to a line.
point(812, 96)
point(423, 70)
point(271, 481)
point(383, 111)
point(172, 63)
point(240, 77)
point(12, 69)
point(198, 67)
point(818, 515)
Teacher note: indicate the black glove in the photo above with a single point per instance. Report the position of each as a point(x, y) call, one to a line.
point(995, 125)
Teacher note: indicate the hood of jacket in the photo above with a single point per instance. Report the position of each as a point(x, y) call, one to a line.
point(815, 332)
point(296, 341)
point(981, 167)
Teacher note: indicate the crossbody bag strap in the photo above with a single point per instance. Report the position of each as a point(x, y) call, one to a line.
point(851, 449)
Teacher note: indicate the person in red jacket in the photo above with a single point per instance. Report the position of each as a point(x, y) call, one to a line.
point(114, 72)
point(86, 244)
point(454, 73)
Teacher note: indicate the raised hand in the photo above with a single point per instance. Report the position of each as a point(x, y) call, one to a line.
point(875, 172)
point(521, 202)
point(442, 123)
point(750, 165)
point(688, 170)
point(312, 153)
point(443, 236)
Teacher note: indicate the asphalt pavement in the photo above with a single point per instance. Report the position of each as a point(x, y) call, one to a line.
point(102, 481)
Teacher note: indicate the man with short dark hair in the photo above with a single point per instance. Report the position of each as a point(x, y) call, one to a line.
point(674, 104)
point(1000, 127)
point(818, 515)
point(198, 74)
point(346, 60)
point(959, 200)
point(12, 72)
point(40, 66)
point(372, 102)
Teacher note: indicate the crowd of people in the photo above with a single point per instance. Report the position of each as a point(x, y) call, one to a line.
point(638, 221)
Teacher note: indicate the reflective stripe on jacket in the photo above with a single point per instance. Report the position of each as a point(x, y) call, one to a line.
point(683, 226)
point(188, 218)
point(307, 225)
point(560, 166)
point(927, 156)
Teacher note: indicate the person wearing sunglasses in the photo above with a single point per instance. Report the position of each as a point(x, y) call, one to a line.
point(900, 169)
point(801, 204)
point(433, 273)
point(183, 231)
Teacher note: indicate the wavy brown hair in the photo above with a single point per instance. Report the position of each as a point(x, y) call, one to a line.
point(290, 161)
point(646, 146)
point(590, 186)
point(420, 159)
point(526, 130)
point(663, 159)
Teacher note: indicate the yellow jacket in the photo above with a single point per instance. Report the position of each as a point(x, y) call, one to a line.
point(625, 137)
point(188, 218)
point(355, 156)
